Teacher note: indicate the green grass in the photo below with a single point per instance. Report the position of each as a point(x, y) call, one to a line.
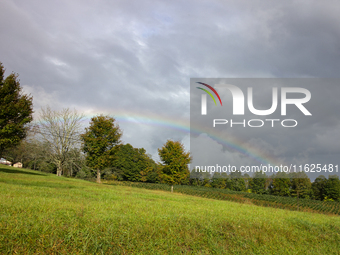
point(44, 214)
point(289, 203)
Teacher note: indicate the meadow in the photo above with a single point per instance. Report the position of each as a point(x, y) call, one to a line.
point(288, 203)
point(44, 214)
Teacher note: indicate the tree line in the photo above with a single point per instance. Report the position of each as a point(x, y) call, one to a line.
point(57, 143)
point(280, 184)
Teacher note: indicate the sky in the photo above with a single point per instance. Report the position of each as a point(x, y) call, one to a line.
point(134, 59)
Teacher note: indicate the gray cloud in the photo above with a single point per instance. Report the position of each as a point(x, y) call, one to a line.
point(125, 57)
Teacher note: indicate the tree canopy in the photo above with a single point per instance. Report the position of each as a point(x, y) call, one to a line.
point(258, 183)
point(175, 162)
point(133, 164)
point(332, 188)
point(100, 143)
point(281, 185)
point(16, 109)
point(60, 130)
point(301, 185)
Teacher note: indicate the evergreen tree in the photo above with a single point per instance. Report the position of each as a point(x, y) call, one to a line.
point(16, 111)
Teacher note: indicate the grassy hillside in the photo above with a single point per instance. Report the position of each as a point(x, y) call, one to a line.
point(289, 203)
point(45, 214)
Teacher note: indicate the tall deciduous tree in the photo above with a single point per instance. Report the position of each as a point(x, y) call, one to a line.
point(101, 142)
point(16, 111)
point(60, 130)
point(175, 163)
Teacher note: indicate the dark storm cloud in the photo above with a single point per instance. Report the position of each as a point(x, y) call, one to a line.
point(138, 56)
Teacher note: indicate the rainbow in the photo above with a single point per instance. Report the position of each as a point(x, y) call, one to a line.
point(183, 125)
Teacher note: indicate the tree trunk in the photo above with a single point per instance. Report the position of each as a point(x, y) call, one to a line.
point(172, 188)
point(59, 169)
point(98, 176)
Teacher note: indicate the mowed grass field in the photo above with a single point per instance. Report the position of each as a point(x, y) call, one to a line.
point(44, 214)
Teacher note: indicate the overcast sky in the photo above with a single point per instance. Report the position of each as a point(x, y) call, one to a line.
point(134, 59)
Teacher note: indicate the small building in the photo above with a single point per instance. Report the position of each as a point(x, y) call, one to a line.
point(18, 164)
